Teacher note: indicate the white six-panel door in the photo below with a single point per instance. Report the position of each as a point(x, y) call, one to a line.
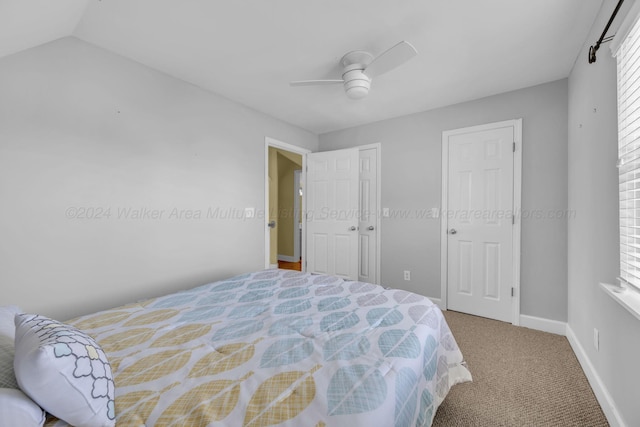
point(479, 221)
point(368, 233)
point(332, 213)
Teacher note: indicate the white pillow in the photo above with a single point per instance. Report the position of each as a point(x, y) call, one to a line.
point(17, 409)
point(65, 371)
point(7, 334)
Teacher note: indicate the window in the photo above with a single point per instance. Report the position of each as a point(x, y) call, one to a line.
point(626, 49)
point(628, 58)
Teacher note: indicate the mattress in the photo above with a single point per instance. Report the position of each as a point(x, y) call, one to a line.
point(278, 348)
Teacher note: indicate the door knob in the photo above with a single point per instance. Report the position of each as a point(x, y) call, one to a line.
point(453, 231)
point(352, 228)
point(271, 224)
point(371, 228)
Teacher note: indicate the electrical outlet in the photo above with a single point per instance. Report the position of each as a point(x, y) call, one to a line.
point(407, 275)
point(596, 339)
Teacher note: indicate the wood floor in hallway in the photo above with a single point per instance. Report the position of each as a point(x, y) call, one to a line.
point(290, 265)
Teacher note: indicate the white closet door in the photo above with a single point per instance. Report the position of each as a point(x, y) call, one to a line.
point(479, 222)
point(368, 233)
point(332, 213)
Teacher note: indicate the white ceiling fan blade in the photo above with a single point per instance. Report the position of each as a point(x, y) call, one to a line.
point(315, 82)
point(390, 59)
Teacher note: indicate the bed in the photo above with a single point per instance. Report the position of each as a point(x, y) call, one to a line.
point(275, 347)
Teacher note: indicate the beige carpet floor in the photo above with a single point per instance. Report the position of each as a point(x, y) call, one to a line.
point(521, 377)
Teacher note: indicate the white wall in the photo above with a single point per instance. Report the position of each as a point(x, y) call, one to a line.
point(593, 236)
point(411, 169)
point(83, 128)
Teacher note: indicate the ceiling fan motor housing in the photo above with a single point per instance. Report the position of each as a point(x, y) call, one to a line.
point(356, 82)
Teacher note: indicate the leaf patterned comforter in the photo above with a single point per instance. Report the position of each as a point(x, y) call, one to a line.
point(282, 348)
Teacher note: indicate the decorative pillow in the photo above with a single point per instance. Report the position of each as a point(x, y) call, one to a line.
point(7, 376)
point(64, 370)
point(7, 334)
point(18, 410)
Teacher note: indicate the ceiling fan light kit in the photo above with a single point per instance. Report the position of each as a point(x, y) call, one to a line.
point(360, 66)
point(356, 83)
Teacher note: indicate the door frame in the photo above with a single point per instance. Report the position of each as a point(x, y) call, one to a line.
point(517, 206)
point(271, 142)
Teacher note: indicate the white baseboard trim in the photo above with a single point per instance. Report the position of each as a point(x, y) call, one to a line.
point(287, 258)
point(273, 266)
point(599, 389)
point(545, 325)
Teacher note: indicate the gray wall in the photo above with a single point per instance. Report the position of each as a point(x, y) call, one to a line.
point(593, 236)
point(411, 169)
point(83, 128)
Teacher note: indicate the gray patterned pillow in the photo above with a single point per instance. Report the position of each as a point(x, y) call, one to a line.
point(7, 333)
point(7, 376)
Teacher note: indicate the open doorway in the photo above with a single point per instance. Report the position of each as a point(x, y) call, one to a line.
point(284, 237)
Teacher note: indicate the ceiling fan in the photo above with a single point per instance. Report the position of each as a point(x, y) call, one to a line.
point(359, 67)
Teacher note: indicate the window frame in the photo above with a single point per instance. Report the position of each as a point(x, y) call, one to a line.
point(627, 291)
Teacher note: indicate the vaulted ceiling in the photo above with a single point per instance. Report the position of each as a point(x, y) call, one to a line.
point(250, 50)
